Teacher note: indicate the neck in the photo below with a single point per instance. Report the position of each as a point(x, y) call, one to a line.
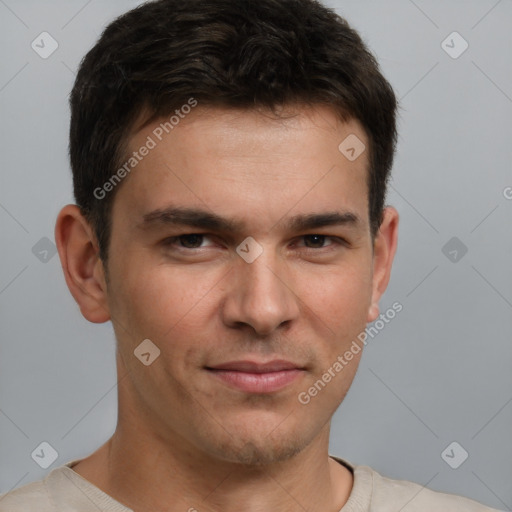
point(148, 466)
point(146, 475)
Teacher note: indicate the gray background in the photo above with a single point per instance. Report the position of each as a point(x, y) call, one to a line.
point(439, 372)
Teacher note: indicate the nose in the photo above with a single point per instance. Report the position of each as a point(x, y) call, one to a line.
point(260, 295)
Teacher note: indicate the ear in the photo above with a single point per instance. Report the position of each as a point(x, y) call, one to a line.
point(83, 269)
point(384, 249)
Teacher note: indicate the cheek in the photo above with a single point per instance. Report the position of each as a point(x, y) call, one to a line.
point(161, 301)
point(173, 310)
point(339, 297)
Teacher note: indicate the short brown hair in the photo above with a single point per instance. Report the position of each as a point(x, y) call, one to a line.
point(233, 53)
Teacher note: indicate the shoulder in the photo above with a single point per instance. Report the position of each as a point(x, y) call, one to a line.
point(391, 495)
point(44, 495)
point(376, 493)
point(27, 498)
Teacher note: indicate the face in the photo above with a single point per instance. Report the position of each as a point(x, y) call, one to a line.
point(241, 248)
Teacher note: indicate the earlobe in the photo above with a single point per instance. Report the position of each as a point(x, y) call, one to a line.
point(82, 267)
point(373, 312)
point(385, 245)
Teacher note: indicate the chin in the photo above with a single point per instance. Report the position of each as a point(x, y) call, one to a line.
point(260, 453)
point(258, 446)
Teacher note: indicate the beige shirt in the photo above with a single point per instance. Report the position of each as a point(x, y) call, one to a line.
point(63, 490)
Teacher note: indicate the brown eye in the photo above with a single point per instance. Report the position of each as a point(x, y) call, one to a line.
point(192, 241)
point(316, 241)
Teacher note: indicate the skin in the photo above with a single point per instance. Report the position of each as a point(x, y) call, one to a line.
point(184, 438)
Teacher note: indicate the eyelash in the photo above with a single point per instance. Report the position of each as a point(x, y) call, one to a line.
point(169, 242)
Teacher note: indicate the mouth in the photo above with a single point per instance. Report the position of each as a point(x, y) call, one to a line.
point(253, 377)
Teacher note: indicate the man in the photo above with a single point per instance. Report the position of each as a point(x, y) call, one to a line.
point(230, 161)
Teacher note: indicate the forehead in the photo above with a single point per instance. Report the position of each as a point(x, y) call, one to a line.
point(247, 163)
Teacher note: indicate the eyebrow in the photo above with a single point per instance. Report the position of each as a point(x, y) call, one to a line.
point(198, 218)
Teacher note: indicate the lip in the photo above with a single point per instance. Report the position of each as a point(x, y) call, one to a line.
point(253, 377)
point(275, 365)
